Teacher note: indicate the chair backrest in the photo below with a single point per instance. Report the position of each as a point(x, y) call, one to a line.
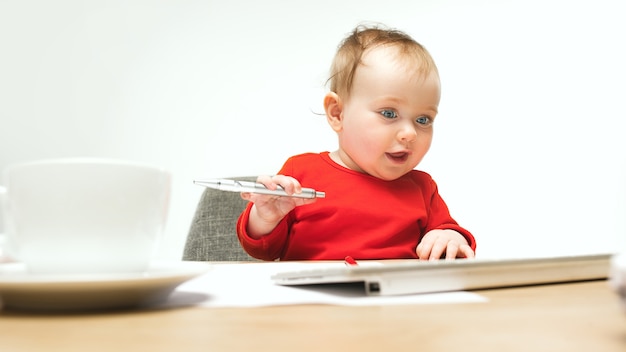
point(212, 235)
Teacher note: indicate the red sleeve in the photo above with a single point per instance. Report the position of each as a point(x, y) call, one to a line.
point(269, 247)
point(440, 219)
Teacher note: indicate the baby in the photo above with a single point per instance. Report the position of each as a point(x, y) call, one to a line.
point(383, 101)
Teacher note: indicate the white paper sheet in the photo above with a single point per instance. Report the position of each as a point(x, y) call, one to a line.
point(249, 285)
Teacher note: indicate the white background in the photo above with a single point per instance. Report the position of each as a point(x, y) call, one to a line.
point(528, 152)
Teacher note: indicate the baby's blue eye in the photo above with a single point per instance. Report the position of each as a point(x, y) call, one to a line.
point(424, 120)
point(390, 114)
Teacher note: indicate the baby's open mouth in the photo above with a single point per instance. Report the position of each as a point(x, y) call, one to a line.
point(398, 157)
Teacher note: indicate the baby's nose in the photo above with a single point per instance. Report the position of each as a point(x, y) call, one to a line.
point(407, 133)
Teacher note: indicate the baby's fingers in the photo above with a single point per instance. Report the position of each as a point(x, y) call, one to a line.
point(289, 184)
point(452, 250)
point(423, 249)
point(466, 251)
point(439, 250)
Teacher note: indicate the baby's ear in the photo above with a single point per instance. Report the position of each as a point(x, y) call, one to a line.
point(334, 108)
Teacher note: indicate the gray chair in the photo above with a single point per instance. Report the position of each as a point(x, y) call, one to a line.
point(212, 235)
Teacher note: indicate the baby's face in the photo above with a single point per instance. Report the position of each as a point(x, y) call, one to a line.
point(387, 124)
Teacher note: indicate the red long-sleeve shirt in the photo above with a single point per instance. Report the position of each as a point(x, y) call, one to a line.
point(362, 216)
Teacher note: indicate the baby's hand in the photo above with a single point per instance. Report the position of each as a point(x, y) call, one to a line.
point(269, 210)
point(439, 243)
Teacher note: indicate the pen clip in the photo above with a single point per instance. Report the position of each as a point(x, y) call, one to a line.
point(349, 261)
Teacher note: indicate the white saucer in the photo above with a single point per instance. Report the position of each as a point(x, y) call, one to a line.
point(21, 290)
point(617, 277)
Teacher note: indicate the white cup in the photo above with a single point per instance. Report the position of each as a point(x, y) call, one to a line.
point(66, 216)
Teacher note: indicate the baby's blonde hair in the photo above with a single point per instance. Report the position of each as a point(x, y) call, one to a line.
point(363, 38)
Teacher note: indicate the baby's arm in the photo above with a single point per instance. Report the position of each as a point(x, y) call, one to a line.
point(439, 243)
point(269, 210)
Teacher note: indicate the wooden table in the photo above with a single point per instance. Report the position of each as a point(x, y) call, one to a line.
point(565, 317)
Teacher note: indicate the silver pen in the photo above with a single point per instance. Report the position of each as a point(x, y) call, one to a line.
point(253, 187)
